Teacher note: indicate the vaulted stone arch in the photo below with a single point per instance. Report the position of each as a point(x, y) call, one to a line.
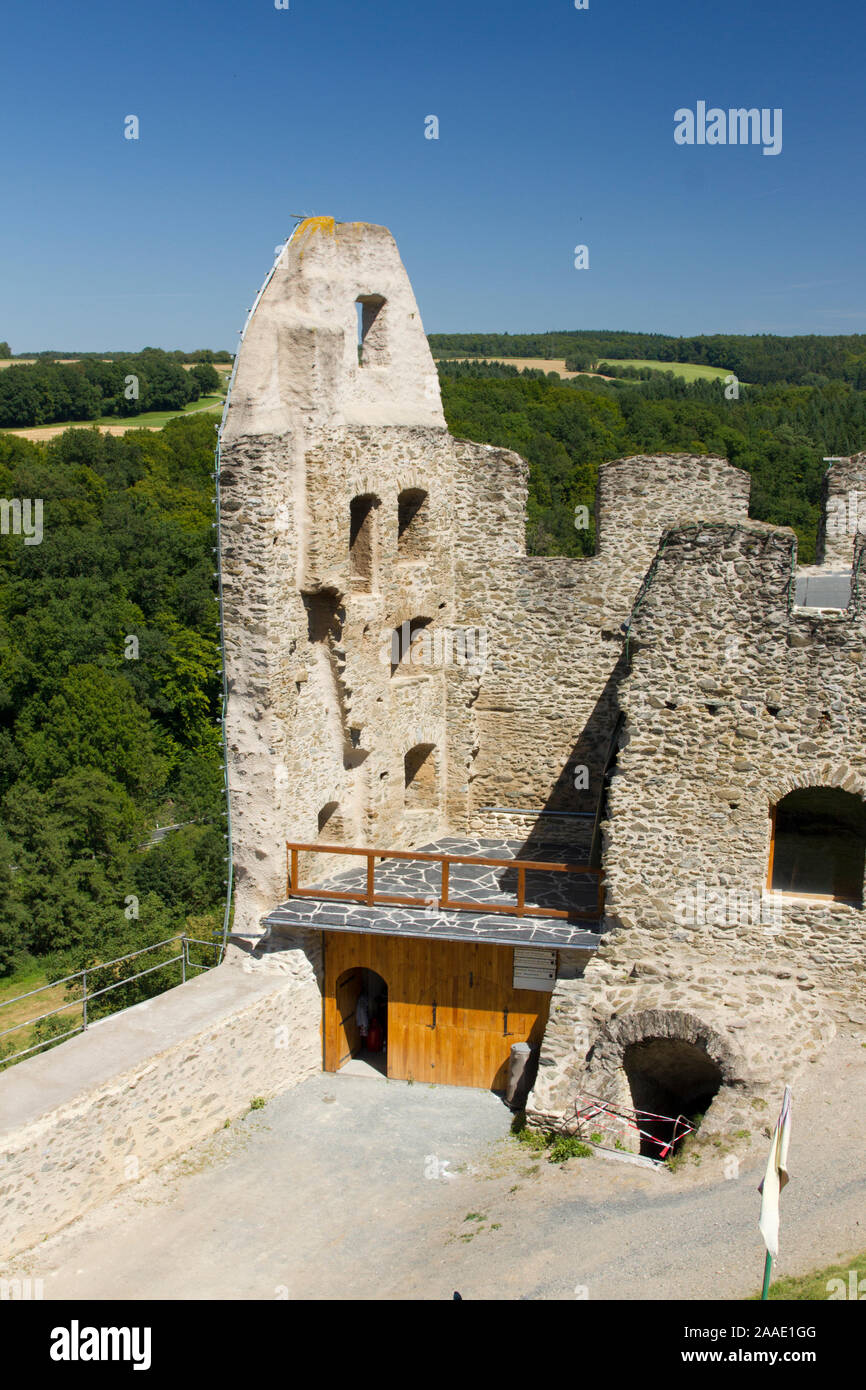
point(684, 1058)
point(829, 774)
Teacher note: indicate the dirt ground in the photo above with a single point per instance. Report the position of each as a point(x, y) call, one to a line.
point(353, 1187)
point(40, 433)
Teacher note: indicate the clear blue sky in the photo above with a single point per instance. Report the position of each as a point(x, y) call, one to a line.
point(556, 129)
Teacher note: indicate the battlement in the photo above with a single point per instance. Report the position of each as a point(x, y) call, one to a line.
point(843, 510)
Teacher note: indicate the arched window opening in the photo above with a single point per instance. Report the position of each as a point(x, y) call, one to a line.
point(818, 844)
point(413, 514)
point(669, 1077)
point(420, 777)
point(325, 615)
point(411, 646)
point(363, 540)
point(372, 331)
point(331, 829)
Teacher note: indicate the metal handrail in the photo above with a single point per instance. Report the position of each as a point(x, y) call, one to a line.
point(444, 903)
point(87, 996)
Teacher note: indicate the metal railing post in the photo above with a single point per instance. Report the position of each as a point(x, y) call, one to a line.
point(84, 1000)
point(183, 951)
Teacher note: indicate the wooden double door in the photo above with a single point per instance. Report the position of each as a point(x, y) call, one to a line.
point(453, 1014)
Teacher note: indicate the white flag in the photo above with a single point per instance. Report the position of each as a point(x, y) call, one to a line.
point(775, 1177)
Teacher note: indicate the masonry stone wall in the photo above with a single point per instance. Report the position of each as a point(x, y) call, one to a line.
point(319, 721)
point(733, 700)
point(843, 511)
point(83, 1120)
point(547, 705)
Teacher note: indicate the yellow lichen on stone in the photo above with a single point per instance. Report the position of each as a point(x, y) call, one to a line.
point(310, 226)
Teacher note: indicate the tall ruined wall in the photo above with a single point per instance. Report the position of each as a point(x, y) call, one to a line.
point(319, 721)
point(547, 699)
point(843, 510)
point(547, 704)
point(733, 700)
point(638, 498)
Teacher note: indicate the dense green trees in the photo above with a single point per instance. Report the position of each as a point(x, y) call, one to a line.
point(127, 385)
point(565, 429)
point(5, 350)
point(109, 690)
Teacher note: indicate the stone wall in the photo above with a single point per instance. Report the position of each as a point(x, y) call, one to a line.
point(843, 511)
point(733, 699)
point(677, 642)
point(547, 705)
point(319, 724)
point(81, 1121)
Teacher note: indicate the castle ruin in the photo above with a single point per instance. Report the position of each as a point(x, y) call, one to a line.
point(668, 714)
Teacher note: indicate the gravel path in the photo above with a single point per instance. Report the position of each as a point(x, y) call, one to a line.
point(343, 1188)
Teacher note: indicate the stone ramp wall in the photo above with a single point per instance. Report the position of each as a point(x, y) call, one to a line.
point(83, 1120)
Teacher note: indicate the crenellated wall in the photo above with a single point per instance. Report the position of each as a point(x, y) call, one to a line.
point(843, 511)
point(733, 699)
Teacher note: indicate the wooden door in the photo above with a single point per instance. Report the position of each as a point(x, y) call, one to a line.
point(453, 1014)
point(349, 1040)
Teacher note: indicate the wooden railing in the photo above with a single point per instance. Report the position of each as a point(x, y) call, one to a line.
point(444, 902)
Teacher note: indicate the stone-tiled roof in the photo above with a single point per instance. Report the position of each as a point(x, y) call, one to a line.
point(468, 882)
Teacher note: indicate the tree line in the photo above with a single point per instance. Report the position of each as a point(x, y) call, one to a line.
point(763, 358)
point(565, 429)
point(47, 391)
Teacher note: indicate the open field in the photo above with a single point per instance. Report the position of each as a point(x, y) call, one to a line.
point(543, 364)
point(689, 371)
point(109, 424)
point(26, 1009)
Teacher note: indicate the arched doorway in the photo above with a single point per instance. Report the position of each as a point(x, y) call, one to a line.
point(669, 1077)
point(362, 1014)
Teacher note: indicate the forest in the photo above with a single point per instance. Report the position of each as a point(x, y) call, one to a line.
point(763, 358)
point(566, 428)
point(110, 689)
point(48, 391)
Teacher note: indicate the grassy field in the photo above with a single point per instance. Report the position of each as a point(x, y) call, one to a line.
point(813, 1287)
point(689, 371)
point(111, 424)
point(19, 1013)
